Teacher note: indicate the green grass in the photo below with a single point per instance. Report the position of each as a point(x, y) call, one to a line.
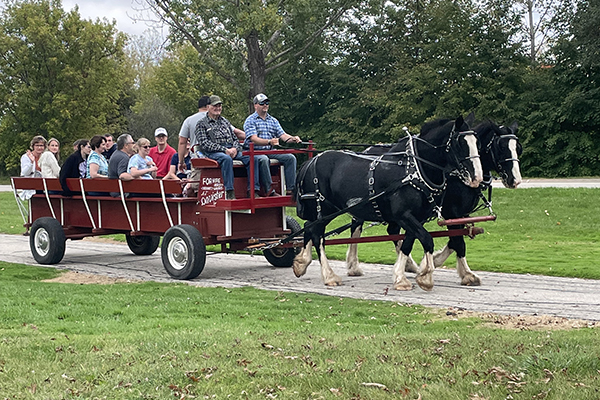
point(159, 341)
point(546, 231)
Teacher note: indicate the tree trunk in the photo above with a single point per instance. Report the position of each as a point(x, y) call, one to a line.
point(256, 66)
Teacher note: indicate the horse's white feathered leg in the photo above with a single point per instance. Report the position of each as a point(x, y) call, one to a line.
point(352, 256)
point(329, 277)
point(467, 277)
point(440, 256)
point(400, 281)
point(411, 265)
point(425, 276)
point(302, 260)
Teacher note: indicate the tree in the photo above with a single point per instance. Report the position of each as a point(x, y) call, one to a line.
point(60, 76)
point(244, 41)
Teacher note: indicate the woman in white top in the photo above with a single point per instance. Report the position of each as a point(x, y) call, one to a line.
point(49, 160)
point(30, 166)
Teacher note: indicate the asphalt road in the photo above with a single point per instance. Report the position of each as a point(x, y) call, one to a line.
point(500, 293)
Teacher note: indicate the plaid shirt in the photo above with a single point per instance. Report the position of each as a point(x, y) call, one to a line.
point(267, 128)
point(216, 135)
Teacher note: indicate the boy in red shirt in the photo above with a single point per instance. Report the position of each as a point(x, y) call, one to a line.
point(162, 153)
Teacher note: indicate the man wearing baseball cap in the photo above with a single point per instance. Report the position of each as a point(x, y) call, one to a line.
point(161, 153)
point(265, 132)
point(218, 141)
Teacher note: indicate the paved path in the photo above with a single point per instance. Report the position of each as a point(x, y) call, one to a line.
point(500, 293)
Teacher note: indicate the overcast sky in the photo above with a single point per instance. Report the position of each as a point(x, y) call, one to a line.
point(120, 10)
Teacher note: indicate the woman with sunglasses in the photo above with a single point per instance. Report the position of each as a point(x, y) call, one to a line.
point(140, 164)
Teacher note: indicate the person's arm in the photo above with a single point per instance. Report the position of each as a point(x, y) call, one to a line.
point(27, 164)
point(94, 172)
point(241, 135)
point(181, 150)
point(172, 173)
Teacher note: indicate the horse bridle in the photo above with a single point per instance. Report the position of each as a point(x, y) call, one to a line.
point(492, 148)
point(461, 169)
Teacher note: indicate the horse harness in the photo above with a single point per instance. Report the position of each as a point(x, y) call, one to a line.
point(414, 177)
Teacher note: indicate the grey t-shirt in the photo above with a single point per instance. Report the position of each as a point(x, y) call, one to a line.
point(117, 164)
point(188, 128)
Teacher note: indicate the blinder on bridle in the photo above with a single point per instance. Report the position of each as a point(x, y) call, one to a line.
point(460, 166)
point(494, 148)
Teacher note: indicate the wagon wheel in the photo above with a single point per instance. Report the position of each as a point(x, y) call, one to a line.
point(142, 245)
point(281, 256)
point(47, 241)
point(183, 252)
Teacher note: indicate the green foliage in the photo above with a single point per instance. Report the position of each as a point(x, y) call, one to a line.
point(60, 76)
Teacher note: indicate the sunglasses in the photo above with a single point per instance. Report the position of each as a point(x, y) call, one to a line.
point(264, 103)
point(146, 147)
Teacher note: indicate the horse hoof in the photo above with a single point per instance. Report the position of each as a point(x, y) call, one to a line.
point(410, 267)
point(471, 280)
point(299, 270)
point(355, 272)
point(334, 282)
point(425, 282)
point(403, 285)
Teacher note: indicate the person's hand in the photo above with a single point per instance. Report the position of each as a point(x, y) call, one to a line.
point(274, 142)
point(296, 139)
point(231, 152)
point(181, 167)
point(153, 168)
point(30, 155)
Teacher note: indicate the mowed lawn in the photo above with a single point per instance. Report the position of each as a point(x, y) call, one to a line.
point(545, 231)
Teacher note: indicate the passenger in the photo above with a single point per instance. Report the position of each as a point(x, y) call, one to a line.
point(265, 132)
point(161, 154)
point(219, 142)
point(49, 159)
point(111, 147)
point(76, 144)
point(30, 166)
point(187, 132)
point(118, 163)
point(140, 164)
point(173, 168)
point(75, 165)
point(97, 166)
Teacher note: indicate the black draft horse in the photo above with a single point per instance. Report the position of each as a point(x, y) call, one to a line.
point(500, 151)
point(400, 187)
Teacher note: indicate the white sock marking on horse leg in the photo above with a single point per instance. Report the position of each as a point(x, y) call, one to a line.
point(352, 257)
point(400, 281)
point(467, 277)
point(329, 277)
point(440, 256)
point(303, 260)
point(425, 275)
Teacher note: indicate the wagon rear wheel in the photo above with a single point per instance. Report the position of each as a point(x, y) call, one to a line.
point(47, 241)
point(183, 252)
point(284, 257)
point(142, 245)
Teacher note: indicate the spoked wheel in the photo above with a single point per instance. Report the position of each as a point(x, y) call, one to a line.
point(284, 257)
point(47, 241)
point(183, 252)
point(142, 245)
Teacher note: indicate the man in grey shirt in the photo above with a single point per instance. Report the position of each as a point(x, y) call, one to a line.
point(188, 129)
point(117, 166)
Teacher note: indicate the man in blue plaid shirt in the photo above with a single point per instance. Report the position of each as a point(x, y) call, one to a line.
point(218, 141)
point(265, 132)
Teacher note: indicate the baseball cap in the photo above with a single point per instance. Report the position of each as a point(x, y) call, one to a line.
point(203, 101)
point(160, 131)
point(259, 98)
point(214, 100)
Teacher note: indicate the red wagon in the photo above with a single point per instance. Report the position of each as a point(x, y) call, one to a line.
point(156, 208)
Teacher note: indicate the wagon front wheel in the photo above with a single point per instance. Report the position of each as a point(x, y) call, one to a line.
point(280, 256)
point(142, 245)
point(183, 252)
point(47, 241)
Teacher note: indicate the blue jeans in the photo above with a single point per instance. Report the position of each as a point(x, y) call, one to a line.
point(289, 169)
point(226, 164)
